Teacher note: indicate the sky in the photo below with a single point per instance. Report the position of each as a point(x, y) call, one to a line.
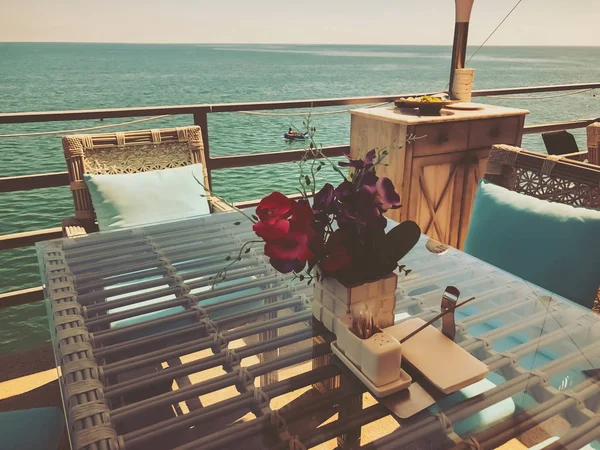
point(385, 22)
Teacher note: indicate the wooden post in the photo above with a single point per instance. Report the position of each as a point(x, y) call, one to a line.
point(593, 143)
point(201, 119)
point(461, 32)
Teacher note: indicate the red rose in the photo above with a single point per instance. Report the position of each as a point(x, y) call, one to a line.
point(270, 231)
point(286, 227)
point(292, 246)
point(274, 206)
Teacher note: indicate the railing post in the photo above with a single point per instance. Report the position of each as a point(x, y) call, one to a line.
point(201, 119)
point(593, 143)
point(461, 32)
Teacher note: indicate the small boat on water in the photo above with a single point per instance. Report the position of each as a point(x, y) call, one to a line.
point(295, 136)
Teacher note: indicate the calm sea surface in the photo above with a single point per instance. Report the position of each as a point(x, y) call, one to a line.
point(42, 77)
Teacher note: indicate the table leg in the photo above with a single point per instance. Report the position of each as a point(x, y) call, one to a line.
point(348, 407)
point(320, 336)
point(271, 377)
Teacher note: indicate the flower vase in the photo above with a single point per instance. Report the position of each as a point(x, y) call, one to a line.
point(335, 300)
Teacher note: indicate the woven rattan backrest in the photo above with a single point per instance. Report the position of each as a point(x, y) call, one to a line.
point(128, 152)
point(547, 177)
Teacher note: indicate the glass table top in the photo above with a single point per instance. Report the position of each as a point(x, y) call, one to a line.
point(153, 353)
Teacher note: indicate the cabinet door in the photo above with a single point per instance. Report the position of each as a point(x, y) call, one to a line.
point(474, 166)
point(436, 189)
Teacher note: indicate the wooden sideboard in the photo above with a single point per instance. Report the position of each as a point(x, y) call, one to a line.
point(436, 174)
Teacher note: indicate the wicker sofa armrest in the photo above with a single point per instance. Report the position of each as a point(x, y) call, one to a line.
point(218, 205)
point(73, 227)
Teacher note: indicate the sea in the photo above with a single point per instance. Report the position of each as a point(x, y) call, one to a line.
point(70, 76)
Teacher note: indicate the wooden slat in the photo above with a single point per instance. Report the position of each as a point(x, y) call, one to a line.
point(311, 103)
point(53, 116)
point(257, 159)
point(46, 180)
point(36, 181)
point(256, 201)
point(558, 126)
point(112, 113)
point(21, 297)
point(534, 89)
point(28, 238)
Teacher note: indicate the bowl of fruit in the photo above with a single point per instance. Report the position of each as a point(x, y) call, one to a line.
point(428, 105)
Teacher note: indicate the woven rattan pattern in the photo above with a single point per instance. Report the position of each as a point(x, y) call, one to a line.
point(555, 189)
point(137, 158)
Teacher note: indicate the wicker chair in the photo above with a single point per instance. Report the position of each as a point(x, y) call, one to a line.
point(127, 152)
point(547, 177)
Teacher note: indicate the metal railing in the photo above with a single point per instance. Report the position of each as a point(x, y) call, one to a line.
point(200, 117)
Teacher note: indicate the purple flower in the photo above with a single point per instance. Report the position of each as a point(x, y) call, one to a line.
point(387, 195)
point(369, 157)
point(324, 199)
point(343, 191)
point(368, 209)
point(359, 164)
point(368, 182)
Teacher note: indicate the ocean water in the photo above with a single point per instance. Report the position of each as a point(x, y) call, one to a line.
point(43, 77)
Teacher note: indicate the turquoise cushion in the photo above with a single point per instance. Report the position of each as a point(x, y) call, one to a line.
point(31, 429)
point(483, 418)
point(237, 309)
point(134, 199)
point(552, 245)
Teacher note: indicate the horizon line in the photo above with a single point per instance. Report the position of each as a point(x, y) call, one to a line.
point(285, 43)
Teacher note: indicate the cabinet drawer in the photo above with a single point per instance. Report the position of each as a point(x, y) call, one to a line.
point(485, 133)
point(437, 138)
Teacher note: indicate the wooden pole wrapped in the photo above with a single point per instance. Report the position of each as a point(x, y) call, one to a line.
point(593, 143)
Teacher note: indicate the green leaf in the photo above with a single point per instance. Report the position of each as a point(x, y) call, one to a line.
point(228, 258)
point(237, 223)
point(401, 239)
point(247, 250)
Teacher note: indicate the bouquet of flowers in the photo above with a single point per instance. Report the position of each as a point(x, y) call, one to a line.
point(342, 231)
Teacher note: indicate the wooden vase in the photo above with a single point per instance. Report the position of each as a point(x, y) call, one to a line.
point(335, 300)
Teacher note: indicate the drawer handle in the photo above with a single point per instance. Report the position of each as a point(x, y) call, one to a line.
point(442, 137)
point(495, 132)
